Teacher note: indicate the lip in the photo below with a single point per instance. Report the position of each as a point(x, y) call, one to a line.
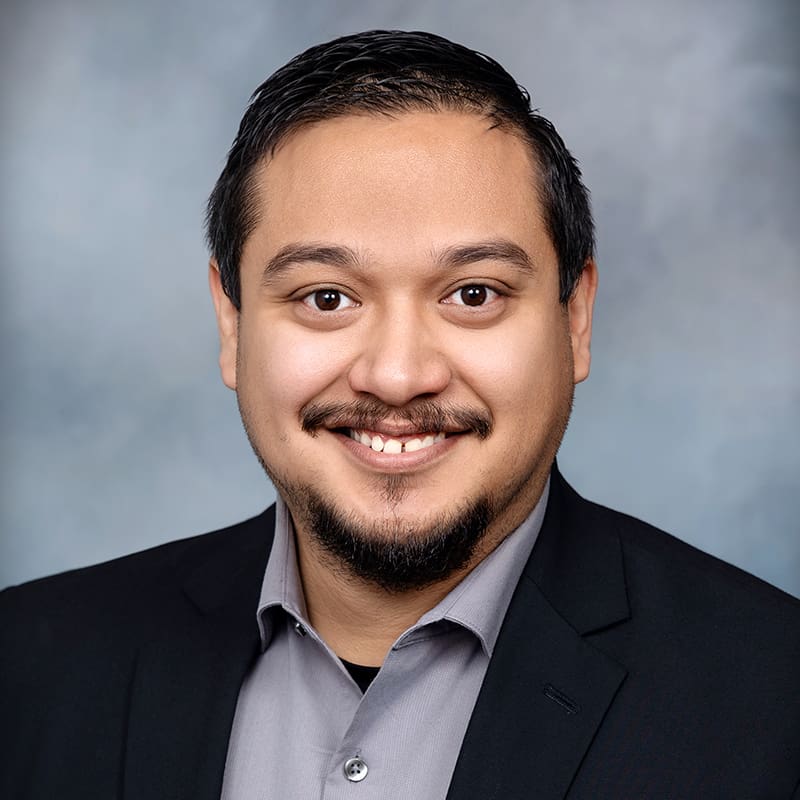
point(405, 431)
point(395, 462)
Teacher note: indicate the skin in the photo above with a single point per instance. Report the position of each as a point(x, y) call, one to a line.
point(399, 193)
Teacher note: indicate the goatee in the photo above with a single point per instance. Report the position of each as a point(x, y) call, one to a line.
point(395, 555)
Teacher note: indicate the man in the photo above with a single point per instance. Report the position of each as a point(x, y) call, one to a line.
point(403, 276)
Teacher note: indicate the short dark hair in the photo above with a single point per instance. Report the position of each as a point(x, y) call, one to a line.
point(382, 72)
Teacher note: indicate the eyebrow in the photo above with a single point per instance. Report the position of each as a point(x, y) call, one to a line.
point(293, 255)
point(493, 250)
point(453, 257)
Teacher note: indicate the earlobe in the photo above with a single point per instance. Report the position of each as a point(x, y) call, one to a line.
point(581, 307)
point(227, 325)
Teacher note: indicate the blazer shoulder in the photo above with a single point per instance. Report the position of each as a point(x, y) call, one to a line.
point(666, 574)
point(114, 588)
point(638, 535)
point(71, 644)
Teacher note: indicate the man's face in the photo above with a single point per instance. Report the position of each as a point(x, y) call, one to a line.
point(401, 351)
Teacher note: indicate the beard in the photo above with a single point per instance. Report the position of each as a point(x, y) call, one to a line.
point(394, 554)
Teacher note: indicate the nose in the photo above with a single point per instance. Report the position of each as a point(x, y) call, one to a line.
point(399, 359)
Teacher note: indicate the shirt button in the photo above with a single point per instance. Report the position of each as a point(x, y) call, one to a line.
point(299, 629)
point(355, 769)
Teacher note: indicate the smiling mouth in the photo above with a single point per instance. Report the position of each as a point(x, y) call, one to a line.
point(381, 443)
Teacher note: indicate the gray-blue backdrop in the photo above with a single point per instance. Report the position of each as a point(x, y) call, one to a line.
point(116, 117)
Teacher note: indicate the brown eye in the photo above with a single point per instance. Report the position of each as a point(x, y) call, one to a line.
point(327, 299)
point(473, 295)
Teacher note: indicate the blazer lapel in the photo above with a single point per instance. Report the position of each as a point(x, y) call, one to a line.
point(547, 688)
point(186, 682)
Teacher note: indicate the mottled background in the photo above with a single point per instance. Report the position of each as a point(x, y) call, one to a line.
point(116, 431)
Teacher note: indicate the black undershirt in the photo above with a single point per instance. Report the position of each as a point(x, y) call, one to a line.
point(363, 676)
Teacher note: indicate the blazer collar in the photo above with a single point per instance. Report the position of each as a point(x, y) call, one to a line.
point(227, 571)
point(187, 678)
point(578, 563)
point(547, 688)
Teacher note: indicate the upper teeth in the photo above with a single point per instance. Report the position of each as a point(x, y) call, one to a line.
point(381, 445)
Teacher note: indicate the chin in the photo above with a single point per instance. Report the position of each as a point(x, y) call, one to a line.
point(392, 551)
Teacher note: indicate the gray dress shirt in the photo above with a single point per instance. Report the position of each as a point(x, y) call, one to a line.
point(303, 730)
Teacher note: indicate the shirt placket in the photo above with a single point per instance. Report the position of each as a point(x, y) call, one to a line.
point(358, 769)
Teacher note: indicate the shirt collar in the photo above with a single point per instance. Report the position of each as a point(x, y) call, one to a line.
point(281, 587)
point(478, 603)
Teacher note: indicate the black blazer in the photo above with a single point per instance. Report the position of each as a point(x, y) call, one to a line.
point(629, 665)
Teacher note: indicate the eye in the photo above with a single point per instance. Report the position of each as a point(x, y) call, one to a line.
point(328, 300)
point(474, 294)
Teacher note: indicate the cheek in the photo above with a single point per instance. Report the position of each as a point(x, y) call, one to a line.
point(283, 367)
point(517, 369)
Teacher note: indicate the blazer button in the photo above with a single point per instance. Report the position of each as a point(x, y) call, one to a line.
point(355, 769)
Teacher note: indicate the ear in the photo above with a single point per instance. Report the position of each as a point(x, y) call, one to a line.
point(580, 308)
point(227, 324)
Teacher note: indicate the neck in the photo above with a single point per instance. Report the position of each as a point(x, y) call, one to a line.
point(359, 620)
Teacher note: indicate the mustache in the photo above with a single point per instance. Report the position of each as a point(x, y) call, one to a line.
point(369, 413)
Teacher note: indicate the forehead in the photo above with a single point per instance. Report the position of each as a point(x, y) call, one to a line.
point(417, 181)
